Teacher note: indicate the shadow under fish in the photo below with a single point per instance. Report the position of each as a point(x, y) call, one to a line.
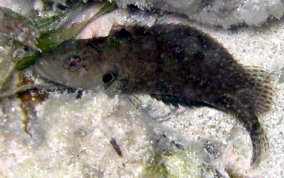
point(176, 64)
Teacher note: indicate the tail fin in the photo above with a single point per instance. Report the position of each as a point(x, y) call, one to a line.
point(251, 123)
point(252, 98)
point(252, 102)
point(259, 141)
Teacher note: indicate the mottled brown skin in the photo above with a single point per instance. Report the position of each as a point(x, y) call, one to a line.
point(173, 63)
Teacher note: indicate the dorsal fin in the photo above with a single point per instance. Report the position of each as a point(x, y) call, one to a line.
point(262, 89)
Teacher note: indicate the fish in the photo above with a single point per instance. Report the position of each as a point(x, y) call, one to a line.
point(174, 63)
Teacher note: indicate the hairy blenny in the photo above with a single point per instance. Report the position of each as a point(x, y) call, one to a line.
point(176, 64)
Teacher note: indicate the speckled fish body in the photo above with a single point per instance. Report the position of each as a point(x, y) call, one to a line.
point(176, 64)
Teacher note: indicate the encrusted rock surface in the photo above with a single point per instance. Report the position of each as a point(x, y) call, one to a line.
point(217, 12)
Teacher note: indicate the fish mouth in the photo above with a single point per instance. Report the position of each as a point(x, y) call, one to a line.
point(44, 70)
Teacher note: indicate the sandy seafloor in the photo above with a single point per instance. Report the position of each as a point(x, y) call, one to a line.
point(71, 137)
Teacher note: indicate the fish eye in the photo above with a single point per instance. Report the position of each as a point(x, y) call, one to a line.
point(109, 77)
point(73, 63)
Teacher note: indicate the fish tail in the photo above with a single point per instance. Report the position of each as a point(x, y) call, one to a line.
point(257, 134)
point(247, 104)
point(259, 142)
point(262, 99)
point(254, 102)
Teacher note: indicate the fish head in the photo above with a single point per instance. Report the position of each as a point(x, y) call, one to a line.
point(77, 64)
